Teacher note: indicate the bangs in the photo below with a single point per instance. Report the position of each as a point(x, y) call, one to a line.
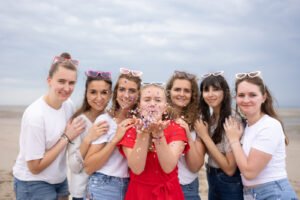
point(211, 81)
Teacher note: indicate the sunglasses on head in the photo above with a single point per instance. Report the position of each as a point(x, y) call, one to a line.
point(62, 59)
point(135, 73)
point(184, 74)
point(248, 74)
point(154, 83)
point(218, 73)
point(95, 74)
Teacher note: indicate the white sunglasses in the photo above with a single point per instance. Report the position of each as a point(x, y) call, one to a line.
point(135, 73)
point(219, 73)
point(249, 74)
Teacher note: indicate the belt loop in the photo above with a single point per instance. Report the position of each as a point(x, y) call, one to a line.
point(207, 167)
point(278, 183)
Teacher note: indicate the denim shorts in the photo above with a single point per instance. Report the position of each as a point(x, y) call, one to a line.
point(279, 190)
point(224, 187)
point(191, 191)
point(104, 187)
point(40, 190)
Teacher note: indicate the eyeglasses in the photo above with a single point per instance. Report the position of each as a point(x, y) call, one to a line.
point(219, 73)
point(62, 59)
point(95, 74)
point(184, 74)
point(135, 73)
point(249, 74)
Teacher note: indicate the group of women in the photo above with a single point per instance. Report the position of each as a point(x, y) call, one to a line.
point(152, 141)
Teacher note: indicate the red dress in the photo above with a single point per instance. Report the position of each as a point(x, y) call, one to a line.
point(153, 183)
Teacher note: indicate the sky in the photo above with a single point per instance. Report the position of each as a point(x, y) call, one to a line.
point(156, 37)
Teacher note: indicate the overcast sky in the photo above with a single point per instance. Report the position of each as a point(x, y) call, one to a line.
point(156, 37)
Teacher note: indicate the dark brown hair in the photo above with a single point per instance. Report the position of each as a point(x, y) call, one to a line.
point(219, 83)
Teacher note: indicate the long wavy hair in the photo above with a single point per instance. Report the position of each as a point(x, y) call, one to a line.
point(115, 105)
point(189, 113)
point(219, 83)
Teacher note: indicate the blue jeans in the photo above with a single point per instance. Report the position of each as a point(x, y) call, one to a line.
point(104, 187)
point(274, 190)
point(222, 186)
point(38, 190)
point(191, 191)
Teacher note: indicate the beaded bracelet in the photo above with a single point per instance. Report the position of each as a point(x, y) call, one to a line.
point(64, 136)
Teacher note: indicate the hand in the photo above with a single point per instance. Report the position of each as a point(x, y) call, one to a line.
point(201, 128)
point(233, 129)
point(75, 128)
point(98, 129)
point(184, 125)
point(157, 128)
point(122, 128)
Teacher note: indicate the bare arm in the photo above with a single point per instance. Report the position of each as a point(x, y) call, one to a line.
point(256, 161)
point(226, 162)
point(194, 157)
point(98, 154)
point(97, 130)
point(73, 129)
point(137, 156)
point(168, 154)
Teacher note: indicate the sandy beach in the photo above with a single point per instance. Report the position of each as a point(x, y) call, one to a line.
point(10, 118)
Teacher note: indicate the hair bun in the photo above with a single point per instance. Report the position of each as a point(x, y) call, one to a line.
point(65, 55)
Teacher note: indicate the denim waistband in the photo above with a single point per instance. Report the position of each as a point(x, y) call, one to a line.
point(108, 177)
point(277, 182)
point(212, 170)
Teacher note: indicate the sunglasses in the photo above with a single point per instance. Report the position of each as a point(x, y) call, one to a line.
point(154, 83)
point(219, 73)
point(184, 74)
point(61, 59)
point(249, 74)
point(95, 74)
point(135, 73)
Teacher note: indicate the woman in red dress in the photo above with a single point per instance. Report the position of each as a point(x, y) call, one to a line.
point(152, 150)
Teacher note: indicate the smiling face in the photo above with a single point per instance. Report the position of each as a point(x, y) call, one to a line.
point(213, 97)
point(62, 83)
point(153, 102)
point(98, 95)
point(249, 99)
point(181, 93)
point(127, 93)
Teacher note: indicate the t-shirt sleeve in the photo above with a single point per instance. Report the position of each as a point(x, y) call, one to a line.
point(268, 138)
point(105, 137)
point(128, 140)
point(33, 132)
point(174, 132)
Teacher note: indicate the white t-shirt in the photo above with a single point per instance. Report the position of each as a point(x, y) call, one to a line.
point(184, 174)
point(41, 128)
point(78, 178)
point(266, 135)
point(116, 165)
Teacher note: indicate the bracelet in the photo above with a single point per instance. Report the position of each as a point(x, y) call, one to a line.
point(236, 141)
point(64, 136)
point(158, 138)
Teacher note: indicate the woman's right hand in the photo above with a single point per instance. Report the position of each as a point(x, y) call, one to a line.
point(201, 128)
point(98, 129)
point(122, 128)
point(75, 128)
